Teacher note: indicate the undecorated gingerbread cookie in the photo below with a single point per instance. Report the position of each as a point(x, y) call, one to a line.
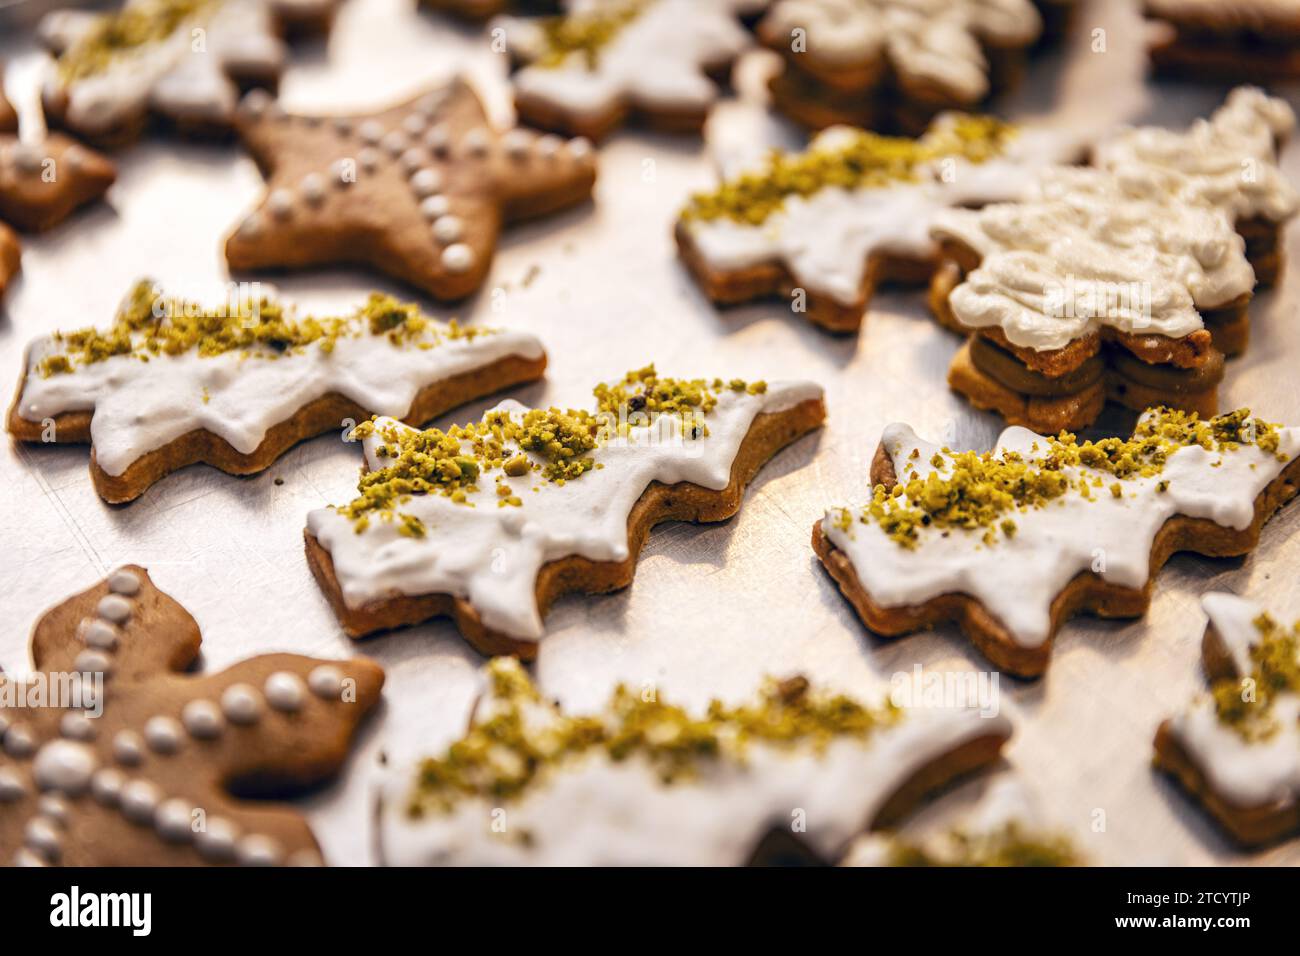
point(826, 225)
point(418, 191)
point(114, 754)
point(790, 778)
point(1237, 748)
point(602, 62)
point(183, 61)
point(1009, 544)
point(490, 522)
point(174, 382)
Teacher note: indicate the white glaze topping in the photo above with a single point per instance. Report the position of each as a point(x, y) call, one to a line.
point(1093, 248)
point(655, 61)
point(65, 766)
point(141, 406)
point(163, 734)
point(326, 682)
point(202, 718)
point(1017, 578)
point(593, 811)
point(124, 582)
point(285, 692)
point(1247, 774)
point(167, 76)
point(825, 239)
point(114, 608)
point(241, 704)
point(491, 555)
point(927, 42)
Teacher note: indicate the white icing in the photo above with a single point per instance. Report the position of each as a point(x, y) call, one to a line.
point(1256, 774)
point(217, 841)
point(491, 555)
point(54, 807)
point(172, 820)
point(258, 850)
point(458, 257)
point(163, 734)
point(1228, 161)
point(19, 741)
point(169, 76)
point(11, 785)
point(65, 766)
point(655, 62)
point(926, 42)
point(114, 608)
point(99, 634)
point(128, 748)
point(106, 786)
point(825, 239)
point(285, 692)
point(326, 682)
point(1017, 579)
point(141, 406)
point(93, 662)
point(77, 726)
point(139, 800)
point(241, 704)
point(1092, 248)
point(123, 582)
point(43, 836)
point(202, 718)
point(592, 811)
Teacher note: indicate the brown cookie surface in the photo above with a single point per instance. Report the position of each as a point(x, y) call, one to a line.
point(129, 760)
point(418, 191)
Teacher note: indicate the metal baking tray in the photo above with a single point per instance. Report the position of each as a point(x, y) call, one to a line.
point(714, 608)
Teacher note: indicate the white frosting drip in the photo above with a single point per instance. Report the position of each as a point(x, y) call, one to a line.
point(591, 811)
point(1263, 773)
point(656, 61)
point(172, 76)
point(1092, 248)
point(1228, 161)
point(825, 239)
point(141, 406)
point(1004, 802)
point(927, 42)
point(491, 555)
point(1017, 579)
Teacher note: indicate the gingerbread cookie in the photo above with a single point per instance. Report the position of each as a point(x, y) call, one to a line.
point(1225, 39)
point(1237, 749)
point(114, 755)
point(895, 63)
point(1004, 828)
point(602, 62)
point(490, 522)
point(790, 778)
point(1011, 543)
point(1098, 288)
point(172, 382)
point(1228, 161)
point(853, 210)
point(41, 184)
point(480, 10)
point(417, 191)
point(182, 61)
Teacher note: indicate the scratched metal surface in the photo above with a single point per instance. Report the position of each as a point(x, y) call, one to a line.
point(713, 608)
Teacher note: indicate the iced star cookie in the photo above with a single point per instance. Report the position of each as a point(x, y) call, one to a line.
point(181, 61)
point(1009, 544)
point(1237, 748)
point(489, 522)
point(789, 778)
point(1097, 288)
point(1228, 161)
point(853, 210)
point(41, 184)
point(605, 61)
point(235, 385)
point(1004, 828)
point(895, 63)
point(114, 754)
point(601, 62)
point(1218, 40)
point(418, 191)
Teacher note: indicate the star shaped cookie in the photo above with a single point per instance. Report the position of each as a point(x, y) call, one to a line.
point(114, 755)
point(418, 191)
point(41, 184)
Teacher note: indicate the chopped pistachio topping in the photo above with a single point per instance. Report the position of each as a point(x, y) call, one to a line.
point(149, 325)
point(517, 738)
point(863, 160)
point(586, 33)
point(136, 25)
point(1008, 845)
point(972, 491)
point(557, 445)
point(1246, 704)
